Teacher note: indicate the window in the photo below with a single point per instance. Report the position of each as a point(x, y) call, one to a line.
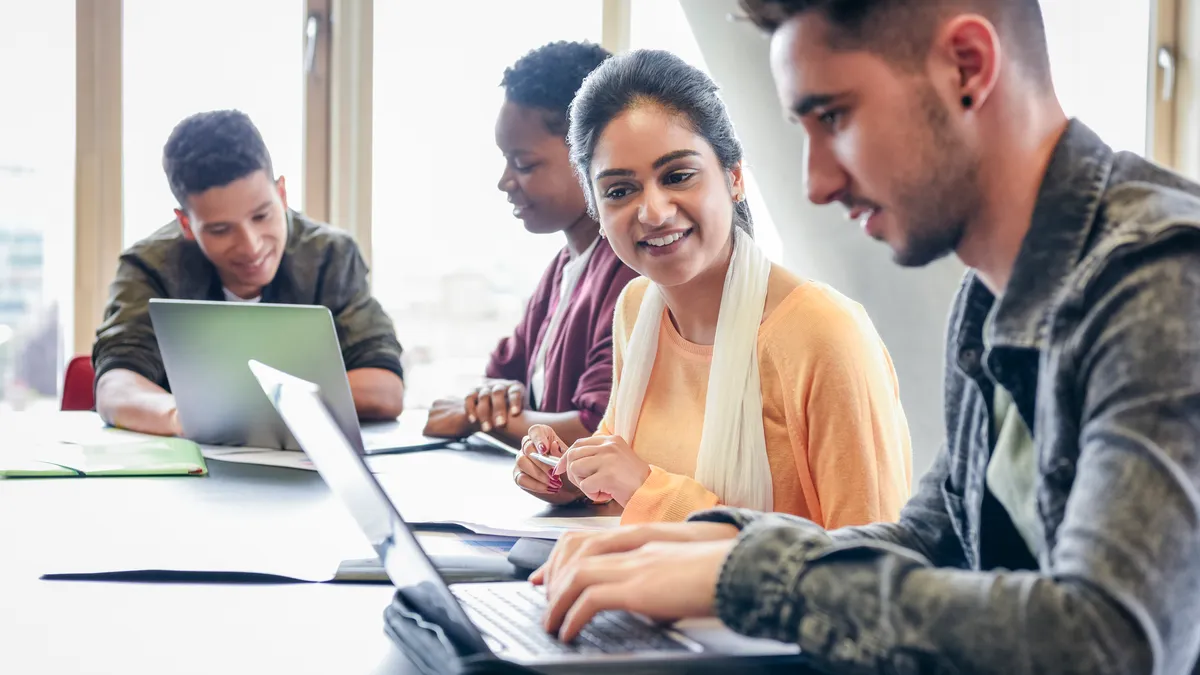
point(182, 57)
point(451, 264)
point(37, 171)
point(1098, 59)
point(662, 24)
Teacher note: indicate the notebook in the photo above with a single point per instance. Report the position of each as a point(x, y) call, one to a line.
point(150, 457)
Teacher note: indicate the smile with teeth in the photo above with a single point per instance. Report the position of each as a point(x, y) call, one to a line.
point(518, 206)
point(255, 264)
point(665, 241)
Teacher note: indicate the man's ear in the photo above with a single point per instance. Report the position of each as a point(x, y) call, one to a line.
point(185, 225)
point(971, 47)
point(281, 187)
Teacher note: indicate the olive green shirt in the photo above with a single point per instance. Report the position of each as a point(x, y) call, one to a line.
point(321, 265)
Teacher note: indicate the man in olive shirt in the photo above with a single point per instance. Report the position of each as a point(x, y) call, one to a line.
point(235, 239)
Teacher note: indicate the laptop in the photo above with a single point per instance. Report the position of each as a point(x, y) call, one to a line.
point(475, 622)
point(205, 347)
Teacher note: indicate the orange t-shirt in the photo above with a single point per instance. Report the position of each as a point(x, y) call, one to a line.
point(837, 440)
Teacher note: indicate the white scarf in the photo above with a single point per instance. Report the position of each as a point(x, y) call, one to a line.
point(732, 461)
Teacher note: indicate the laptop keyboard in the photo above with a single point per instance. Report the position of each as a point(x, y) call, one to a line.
point(516, 612)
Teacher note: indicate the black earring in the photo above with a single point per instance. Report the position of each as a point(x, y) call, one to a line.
point(967, 102)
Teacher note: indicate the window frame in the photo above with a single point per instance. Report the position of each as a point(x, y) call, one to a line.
point(1176, 139)
point(338, 125)
point(99, 220)
point(1163, 113)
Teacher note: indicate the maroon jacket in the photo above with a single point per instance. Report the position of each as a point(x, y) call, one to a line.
point(579, 362)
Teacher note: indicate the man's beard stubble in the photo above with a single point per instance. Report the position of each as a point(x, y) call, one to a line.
point(942, 195)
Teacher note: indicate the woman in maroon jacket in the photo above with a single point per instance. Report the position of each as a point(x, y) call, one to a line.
point(556, 368)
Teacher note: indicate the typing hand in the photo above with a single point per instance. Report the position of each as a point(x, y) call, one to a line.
point(580, 545)
point(448, 419)
point(664, 581)
point(492, 404)
point(536, 477)
point(604, 468)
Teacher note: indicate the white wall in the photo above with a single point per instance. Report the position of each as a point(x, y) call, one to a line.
point(909, 307)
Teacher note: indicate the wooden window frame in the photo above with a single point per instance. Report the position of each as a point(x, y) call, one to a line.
point(337, 156)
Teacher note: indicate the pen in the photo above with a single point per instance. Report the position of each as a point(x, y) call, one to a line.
point(548, 460)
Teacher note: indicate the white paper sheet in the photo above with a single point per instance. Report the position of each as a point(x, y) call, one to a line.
point(287, 459)
point(535, 528)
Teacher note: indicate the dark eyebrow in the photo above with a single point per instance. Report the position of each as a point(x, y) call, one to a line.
point(609, 173)
point(807, 104)
point(672, 156)
point(658, 163)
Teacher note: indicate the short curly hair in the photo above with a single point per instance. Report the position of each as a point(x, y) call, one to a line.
point(212, 149)
point(548, 77)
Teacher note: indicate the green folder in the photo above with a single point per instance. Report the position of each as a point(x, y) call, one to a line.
point(150, 457)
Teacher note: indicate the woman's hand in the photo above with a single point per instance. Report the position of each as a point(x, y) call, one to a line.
point(448, 419)
point(537, 477)
point(493, 403)
point(604, 468)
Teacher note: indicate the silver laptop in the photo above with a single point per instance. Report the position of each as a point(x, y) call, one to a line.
point(205, 347)
point(499, 620)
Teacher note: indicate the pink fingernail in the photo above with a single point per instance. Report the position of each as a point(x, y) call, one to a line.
point(541, 448)
point(560, 469)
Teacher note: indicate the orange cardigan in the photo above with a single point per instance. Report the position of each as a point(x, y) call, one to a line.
point(837, 440)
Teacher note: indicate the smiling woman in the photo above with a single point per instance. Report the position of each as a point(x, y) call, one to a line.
point(736, 382)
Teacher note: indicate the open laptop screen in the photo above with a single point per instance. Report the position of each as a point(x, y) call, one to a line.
point(351, 481)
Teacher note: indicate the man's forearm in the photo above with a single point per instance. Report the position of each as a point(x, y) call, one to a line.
point(879, 608)
point(566, 424)
point(128, 400)
point(378, 393)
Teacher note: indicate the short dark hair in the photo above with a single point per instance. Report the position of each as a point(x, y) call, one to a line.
point(657, 78)
point(211, 149)
point(548, 77)
point(903, 29)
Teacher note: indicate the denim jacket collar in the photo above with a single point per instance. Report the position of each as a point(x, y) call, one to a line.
point(1063, 219)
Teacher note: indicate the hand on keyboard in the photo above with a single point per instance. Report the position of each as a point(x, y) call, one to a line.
point(575, 546)
point(664, 581)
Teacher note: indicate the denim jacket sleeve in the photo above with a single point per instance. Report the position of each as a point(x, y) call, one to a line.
point(1116, 593)
point(924, 527)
